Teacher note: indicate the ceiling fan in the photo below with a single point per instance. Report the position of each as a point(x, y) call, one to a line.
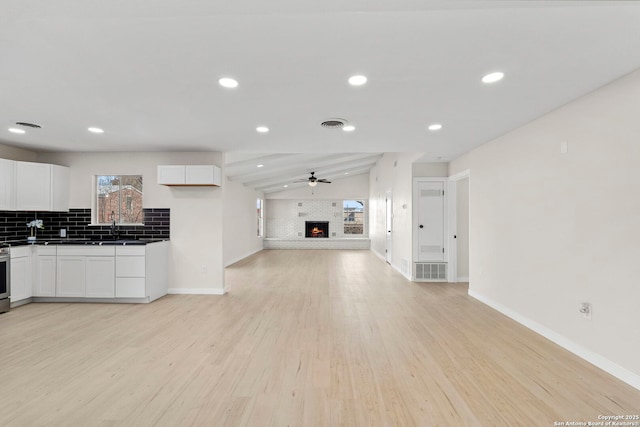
point(313, 181)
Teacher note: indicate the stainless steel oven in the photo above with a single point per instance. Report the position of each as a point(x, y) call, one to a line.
point(5, 279)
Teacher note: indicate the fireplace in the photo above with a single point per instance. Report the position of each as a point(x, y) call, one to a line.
point(315, 229)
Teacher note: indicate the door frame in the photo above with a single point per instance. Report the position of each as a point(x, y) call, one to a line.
point(388, 224)
point(452, 263)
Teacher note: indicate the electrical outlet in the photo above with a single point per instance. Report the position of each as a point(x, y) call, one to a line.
point(585, 310)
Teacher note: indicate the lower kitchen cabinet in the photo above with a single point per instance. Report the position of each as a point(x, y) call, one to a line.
point(21, 273)
point(134, 273)
point(45, 283)
point(100, 277)
point(85, 271)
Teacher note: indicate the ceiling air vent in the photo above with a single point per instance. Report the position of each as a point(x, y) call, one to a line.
point(333, 123)
point(29, 125)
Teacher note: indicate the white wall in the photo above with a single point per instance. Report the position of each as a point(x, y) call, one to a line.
point(353, 187)
point(196, 264)
point(436, 170)
point(550, 230)
point(240, 222)
point(462, 229)
point(393, 172)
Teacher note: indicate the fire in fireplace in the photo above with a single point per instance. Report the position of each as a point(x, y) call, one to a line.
point(316, 229)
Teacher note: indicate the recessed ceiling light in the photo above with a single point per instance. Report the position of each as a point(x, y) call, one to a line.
point(95, 130)
point(358, 80)
point(228, 82)
point(260, 166)
point(16, 130)
point(346, 173)
point(262, 129)
point(493, 77)
point(349, 128)
point(434, 127)
point(285, 186)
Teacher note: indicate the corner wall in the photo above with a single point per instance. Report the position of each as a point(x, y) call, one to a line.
point(393, 172)
point(240, 222)
point(549, 230)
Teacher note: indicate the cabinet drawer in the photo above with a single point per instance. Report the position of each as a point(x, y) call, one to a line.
point(130, 266)
point(130, 287)
point(46, 250)
point(20, 251)
point(130, 250)
point(82, 250)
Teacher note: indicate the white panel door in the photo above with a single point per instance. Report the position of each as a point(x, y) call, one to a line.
point(100, 279)
point(70, 276)
point(59, 188)
point(33, 186)
point(20, 278)
point(431, 238)
point(45, 283)
point(7, 185)
point(171, 174)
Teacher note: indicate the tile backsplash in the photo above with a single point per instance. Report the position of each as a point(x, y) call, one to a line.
point(157, 224)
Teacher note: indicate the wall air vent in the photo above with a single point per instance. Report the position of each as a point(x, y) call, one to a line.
point(431, 271)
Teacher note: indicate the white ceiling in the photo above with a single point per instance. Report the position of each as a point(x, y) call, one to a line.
point(146, 72)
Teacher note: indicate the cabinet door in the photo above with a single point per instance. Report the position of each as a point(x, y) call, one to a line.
point(45, 283)
point(100, 279)
point(33, 186)
point(70, 276)
point(59, 188)
point(20, 278)
point(202, 175)
point(7, 185)
point(171, 174)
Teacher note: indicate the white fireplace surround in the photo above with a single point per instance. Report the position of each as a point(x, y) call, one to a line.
point(285, 225)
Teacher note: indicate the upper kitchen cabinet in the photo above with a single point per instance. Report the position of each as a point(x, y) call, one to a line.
point(202, 175)
point(41, 187)
point(7, 185)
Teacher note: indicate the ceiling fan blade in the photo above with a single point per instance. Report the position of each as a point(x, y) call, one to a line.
point(324, 181)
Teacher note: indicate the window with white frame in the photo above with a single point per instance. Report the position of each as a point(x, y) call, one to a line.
point(353, 216)
point(119, 199)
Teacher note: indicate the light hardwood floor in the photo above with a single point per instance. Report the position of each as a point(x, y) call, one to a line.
point(304, 338)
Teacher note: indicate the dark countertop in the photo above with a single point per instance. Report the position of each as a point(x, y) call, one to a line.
point(117, 242)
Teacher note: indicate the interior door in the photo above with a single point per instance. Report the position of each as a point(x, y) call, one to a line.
point(430, 234)
point(389, 227)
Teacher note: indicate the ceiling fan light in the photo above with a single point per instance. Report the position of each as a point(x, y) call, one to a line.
point(312, 183)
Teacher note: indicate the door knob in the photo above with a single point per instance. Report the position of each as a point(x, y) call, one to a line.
point(421, 226)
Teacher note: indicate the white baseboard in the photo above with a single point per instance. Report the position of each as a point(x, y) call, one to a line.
point(383, 259)
point(233, 261)
point(596, 359)
point(197, 291)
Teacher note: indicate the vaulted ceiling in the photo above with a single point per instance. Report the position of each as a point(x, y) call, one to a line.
point(147, 74)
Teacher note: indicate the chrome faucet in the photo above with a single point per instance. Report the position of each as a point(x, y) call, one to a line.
point(115, 233)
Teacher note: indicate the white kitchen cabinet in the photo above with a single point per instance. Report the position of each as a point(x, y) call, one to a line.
point(196, 175)
point(41, 187)
point(70, 276)
point(141, 271)
point(7, 185)
point(59, 188)
point(85, 271)
point(100, 277)
point(21, 273)
point(45, 283)
point(171, 174)
point(33, 186)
